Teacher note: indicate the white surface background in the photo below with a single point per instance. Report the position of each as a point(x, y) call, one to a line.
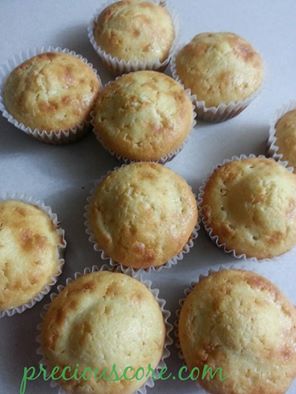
point(63, 176)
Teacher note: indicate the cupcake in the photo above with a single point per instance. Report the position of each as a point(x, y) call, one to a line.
point(132, 35)
point(222, 70)
point(249, 207)
point(142, 215)
point(51, 95)
point(108, 324)
point(30, 260)
point(283, 138)
point(153, 116)
point(240, 325)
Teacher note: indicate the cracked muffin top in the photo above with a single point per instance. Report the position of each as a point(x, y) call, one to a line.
point(240, 322)
point(285, 133)
point(142, 214)
point(250, 204)
point(135, 30)
point(152, 119)
point(100, 320)
point(29, 254)
point(220, 68)
point(52, 91)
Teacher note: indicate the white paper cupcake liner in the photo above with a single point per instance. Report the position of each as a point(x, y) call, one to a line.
point(123, 160)
point(209, 230)
point(118, 66)
point(272, 147)
point(61, 248)
point(56, 137)
point(129, 270)
point(186, 292)
point(214, 114)
point(166, 315)
point(164, 159)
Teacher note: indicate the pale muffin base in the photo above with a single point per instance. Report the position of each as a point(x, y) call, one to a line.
point(118, 66)
point(213, 114)
point(166, 315)
point(272, 149)
point(129, 270)
point(61, 248)
point(215, 238)
point(164, 159)
point(56, 137)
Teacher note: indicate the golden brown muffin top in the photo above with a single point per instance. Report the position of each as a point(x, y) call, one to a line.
point(240, 322)
point(220, 68)
point(52, 91)
point(135, 30)
point(144, 115)
point(285, 133)
point(251, 206)
point(101, 319)
point(142, 214)
point(29, 255)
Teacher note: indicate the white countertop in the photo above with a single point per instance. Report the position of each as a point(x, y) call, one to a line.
point(62, 176)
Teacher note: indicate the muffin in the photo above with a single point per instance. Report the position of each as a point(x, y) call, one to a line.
point(239, 324)
point(142, 215)
point(153, 116)
point(51, 93)
point(285, 138)
point(101, 320)
point(29, 253)
point(250, 206)
point(219, 69)
point(138, 33)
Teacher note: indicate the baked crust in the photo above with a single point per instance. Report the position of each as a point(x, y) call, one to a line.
point(286, 137)
point(240, 322)
point(143, 214)
point(250, 205)
point(52, 91)
point(135, 30)
point(101, 319)
point(153, 116)
point(220, 68)
point(29, 255)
